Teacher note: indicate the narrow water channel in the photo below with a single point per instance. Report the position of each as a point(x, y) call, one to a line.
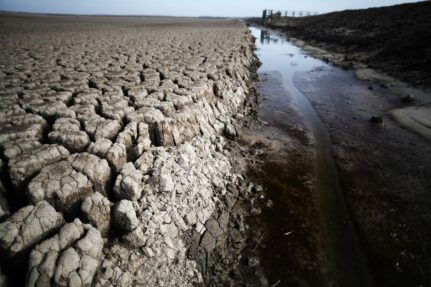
point(280, 57)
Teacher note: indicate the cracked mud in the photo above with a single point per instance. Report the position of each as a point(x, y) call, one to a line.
point(115, 165)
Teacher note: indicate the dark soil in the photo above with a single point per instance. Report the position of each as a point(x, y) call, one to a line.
point(395, 40)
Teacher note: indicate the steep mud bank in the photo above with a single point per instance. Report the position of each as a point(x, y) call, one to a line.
point(392, 40)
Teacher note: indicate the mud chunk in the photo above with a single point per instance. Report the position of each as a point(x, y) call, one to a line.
point(100, 147)
point(213, 227)
point(96, 169)
point(78, 264)
point(136, 237)
point(69, 258)
point(43, 258)
point(117, 156)
point(86, 99)
point(116, 110)
point(62, 96)
point(107, 129)
point(66, 124)
point(148, 115)
point(29, 131)
point(61, 186)
point(208, 242)
point(15, 148)
point(28, 226)
point(32, 161)
point(137, 93)
point(167, 133)
point(178, 100)
point(128, 184)
point(21, 120)
point(145, 162)
point(166, 184)
point(74, 141)
point(97, 210)
point(125, 219)
point(51, 110)
point(136, 138)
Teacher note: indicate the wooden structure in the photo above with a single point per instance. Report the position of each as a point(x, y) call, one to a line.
point(268, 15)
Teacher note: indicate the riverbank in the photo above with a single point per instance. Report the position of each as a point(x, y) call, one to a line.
point(118, 165)
point(392, 40)
point(383, 168)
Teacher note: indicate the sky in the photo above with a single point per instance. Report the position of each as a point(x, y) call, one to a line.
point(230, 8)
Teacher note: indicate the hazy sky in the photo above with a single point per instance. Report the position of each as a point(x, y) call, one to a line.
point(187, 7)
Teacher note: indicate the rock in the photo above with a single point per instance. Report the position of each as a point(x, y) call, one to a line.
point(74, 141)
point(97, 210)
point(96, 169)
point(117, 156)
point(28, 226)
point(31, 162)
point(128, 184)
point(69, 258)
point(125, 219)
point(61, 186)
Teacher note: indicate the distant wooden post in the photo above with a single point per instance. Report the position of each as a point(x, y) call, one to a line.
point(263, 17)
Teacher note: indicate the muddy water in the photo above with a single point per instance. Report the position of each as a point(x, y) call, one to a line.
point(281, 61)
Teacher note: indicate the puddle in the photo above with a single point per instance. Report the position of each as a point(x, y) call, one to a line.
point(326, 232)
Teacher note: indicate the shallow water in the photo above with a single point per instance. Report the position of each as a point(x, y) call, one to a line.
point(278, 56)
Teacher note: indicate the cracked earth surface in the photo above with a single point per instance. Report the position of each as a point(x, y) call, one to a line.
point(113, 146)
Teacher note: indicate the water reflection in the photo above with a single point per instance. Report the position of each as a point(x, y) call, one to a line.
point(265, 38)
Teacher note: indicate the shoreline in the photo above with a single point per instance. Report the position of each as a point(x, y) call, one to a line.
point(414, 98)
point(382, 167)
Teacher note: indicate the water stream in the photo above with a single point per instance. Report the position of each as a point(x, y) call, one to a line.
point(346, 259)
